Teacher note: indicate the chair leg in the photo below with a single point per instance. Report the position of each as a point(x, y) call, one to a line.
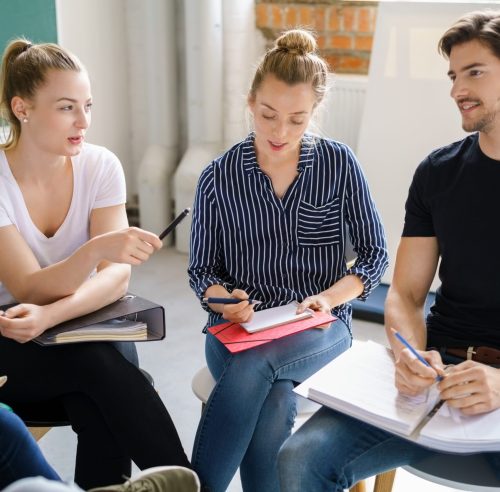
point(38, 432)
point(384, 481)
point(358, 487)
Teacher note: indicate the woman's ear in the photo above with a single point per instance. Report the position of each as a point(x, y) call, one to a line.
point(19, 107)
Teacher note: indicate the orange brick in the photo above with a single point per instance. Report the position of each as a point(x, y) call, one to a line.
point(306, 16)
point(333, 61)
point(291, 16)
point(319, 18)
point(366, 17)
point(341, 42)
point(349, 18)
point(322, 41)
point(333, 19)
point(261, 15)
point(277, 17)
point(352, 63)
point(363, 43)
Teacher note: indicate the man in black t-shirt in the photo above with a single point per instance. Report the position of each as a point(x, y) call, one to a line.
point(451, 219)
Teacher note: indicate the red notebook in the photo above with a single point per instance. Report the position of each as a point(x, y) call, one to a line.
point(236, 339)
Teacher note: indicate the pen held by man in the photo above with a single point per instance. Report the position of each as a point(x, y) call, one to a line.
point(416, 370)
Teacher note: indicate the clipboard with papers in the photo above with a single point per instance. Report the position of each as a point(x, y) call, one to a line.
point(369, 394)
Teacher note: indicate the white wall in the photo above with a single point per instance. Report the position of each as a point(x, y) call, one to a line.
point(408, 109)
point(95, 30)
point(153, 75)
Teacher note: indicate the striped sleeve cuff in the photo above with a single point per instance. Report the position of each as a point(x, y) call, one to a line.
point(365, 278)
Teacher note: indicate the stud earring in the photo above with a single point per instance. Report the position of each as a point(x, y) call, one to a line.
point(25, 120)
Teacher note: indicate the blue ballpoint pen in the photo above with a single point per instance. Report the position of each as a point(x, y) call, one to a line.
point(228, 300)
point(414, 352)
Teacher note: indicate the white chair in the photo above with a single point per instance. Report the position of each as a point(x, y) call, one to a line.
point(203, 383)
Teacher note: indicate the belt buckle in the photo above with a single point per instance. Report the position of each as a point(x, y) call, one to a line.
point(470, 353)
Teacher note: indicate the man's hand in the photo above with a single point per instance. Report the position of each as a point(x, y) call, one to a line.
point(414, 377)
point(471, 387)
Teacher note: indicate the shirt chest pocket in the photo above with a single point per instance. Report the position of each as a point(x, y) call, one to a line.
point(319, 225)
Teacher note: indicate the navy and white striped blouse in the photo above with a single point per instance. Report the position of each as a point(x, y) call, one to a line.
point(280, 250)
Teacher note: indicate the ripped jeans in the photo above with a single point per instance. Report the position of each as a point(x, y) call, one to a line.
point(252, 408)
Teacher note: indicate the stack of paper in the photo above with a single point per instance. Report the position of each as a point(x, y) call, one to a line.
point(360, 383)
point(112, 330)
point(465, 434)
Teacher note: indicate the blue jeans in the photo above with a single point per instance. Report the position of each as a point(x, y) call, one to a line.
point(332, 452)
point(20, 456)
point(252, 408)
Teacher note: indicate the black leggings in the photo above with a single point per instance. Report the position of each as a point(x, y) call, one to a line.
point(115, 411)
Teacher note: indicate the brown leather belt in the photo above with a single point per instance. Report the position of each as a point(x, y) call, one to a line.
point(485, 355)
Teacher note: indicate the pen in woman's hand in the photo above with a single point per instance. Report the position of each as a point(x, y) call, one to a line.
point(174, 223)
point(228, 300)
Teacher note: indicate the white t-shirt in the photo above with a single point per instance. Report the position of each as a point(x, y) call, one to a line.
point(98, 181)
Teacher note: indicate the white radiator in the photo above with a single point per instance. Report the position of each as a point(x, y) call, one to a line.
point(340, 115)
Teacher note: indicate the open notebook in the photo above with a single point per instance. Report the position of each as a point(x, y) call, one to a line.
point(276, 316)
point(360, 383)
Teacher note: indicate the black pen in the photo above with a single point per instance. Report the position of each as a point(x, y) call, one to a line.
point(228, 300)
point(174, 223)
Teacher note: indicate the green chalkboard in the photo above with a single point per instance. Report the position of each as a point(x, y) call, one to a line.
point(33, 19)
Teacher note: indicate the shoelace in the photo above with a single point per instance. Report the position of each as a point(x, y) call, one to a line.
point(139, 486)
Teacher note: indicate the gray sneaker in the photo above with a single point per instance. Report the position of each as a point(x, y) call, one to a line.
point(158, 479)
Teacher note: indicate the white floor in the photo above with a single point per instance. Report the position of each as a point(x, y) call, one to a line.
point(174, 361)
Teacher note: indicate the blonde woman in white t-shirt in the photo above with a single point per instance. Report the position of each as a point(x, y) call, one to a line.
point(66, 251)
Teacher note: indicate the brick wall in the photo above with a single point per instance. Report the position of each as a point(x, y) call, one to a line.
point(344, 29)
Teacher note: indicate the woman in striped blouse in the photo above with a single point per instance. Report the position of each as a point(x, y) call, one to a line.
point(270, 222)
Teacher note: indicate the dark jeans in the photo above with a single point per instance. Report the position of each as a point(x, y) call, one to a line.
point(20, 456)
point(115, 411)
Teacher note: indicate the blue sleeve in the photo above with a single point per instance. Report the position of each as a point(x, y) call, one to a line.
point(365, 230)
point(206, 255)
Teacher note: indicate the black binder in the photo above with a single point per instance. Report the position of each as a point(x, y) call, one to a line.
point(130, 306)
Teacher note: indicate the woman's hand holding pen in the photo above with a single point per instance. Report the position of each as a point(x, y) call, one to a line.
point(131, 245)
point(471, 387)
point(236, 313)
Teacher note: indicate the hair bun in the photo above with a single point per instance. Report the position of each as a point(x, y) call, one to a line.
point(297, 41)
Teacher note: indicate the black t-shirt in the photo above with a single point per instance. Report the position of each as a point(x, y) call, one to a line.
point(455, 196)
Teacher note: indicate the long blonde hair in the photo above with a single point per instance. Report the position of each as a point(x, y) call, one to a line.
point(24, 69)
